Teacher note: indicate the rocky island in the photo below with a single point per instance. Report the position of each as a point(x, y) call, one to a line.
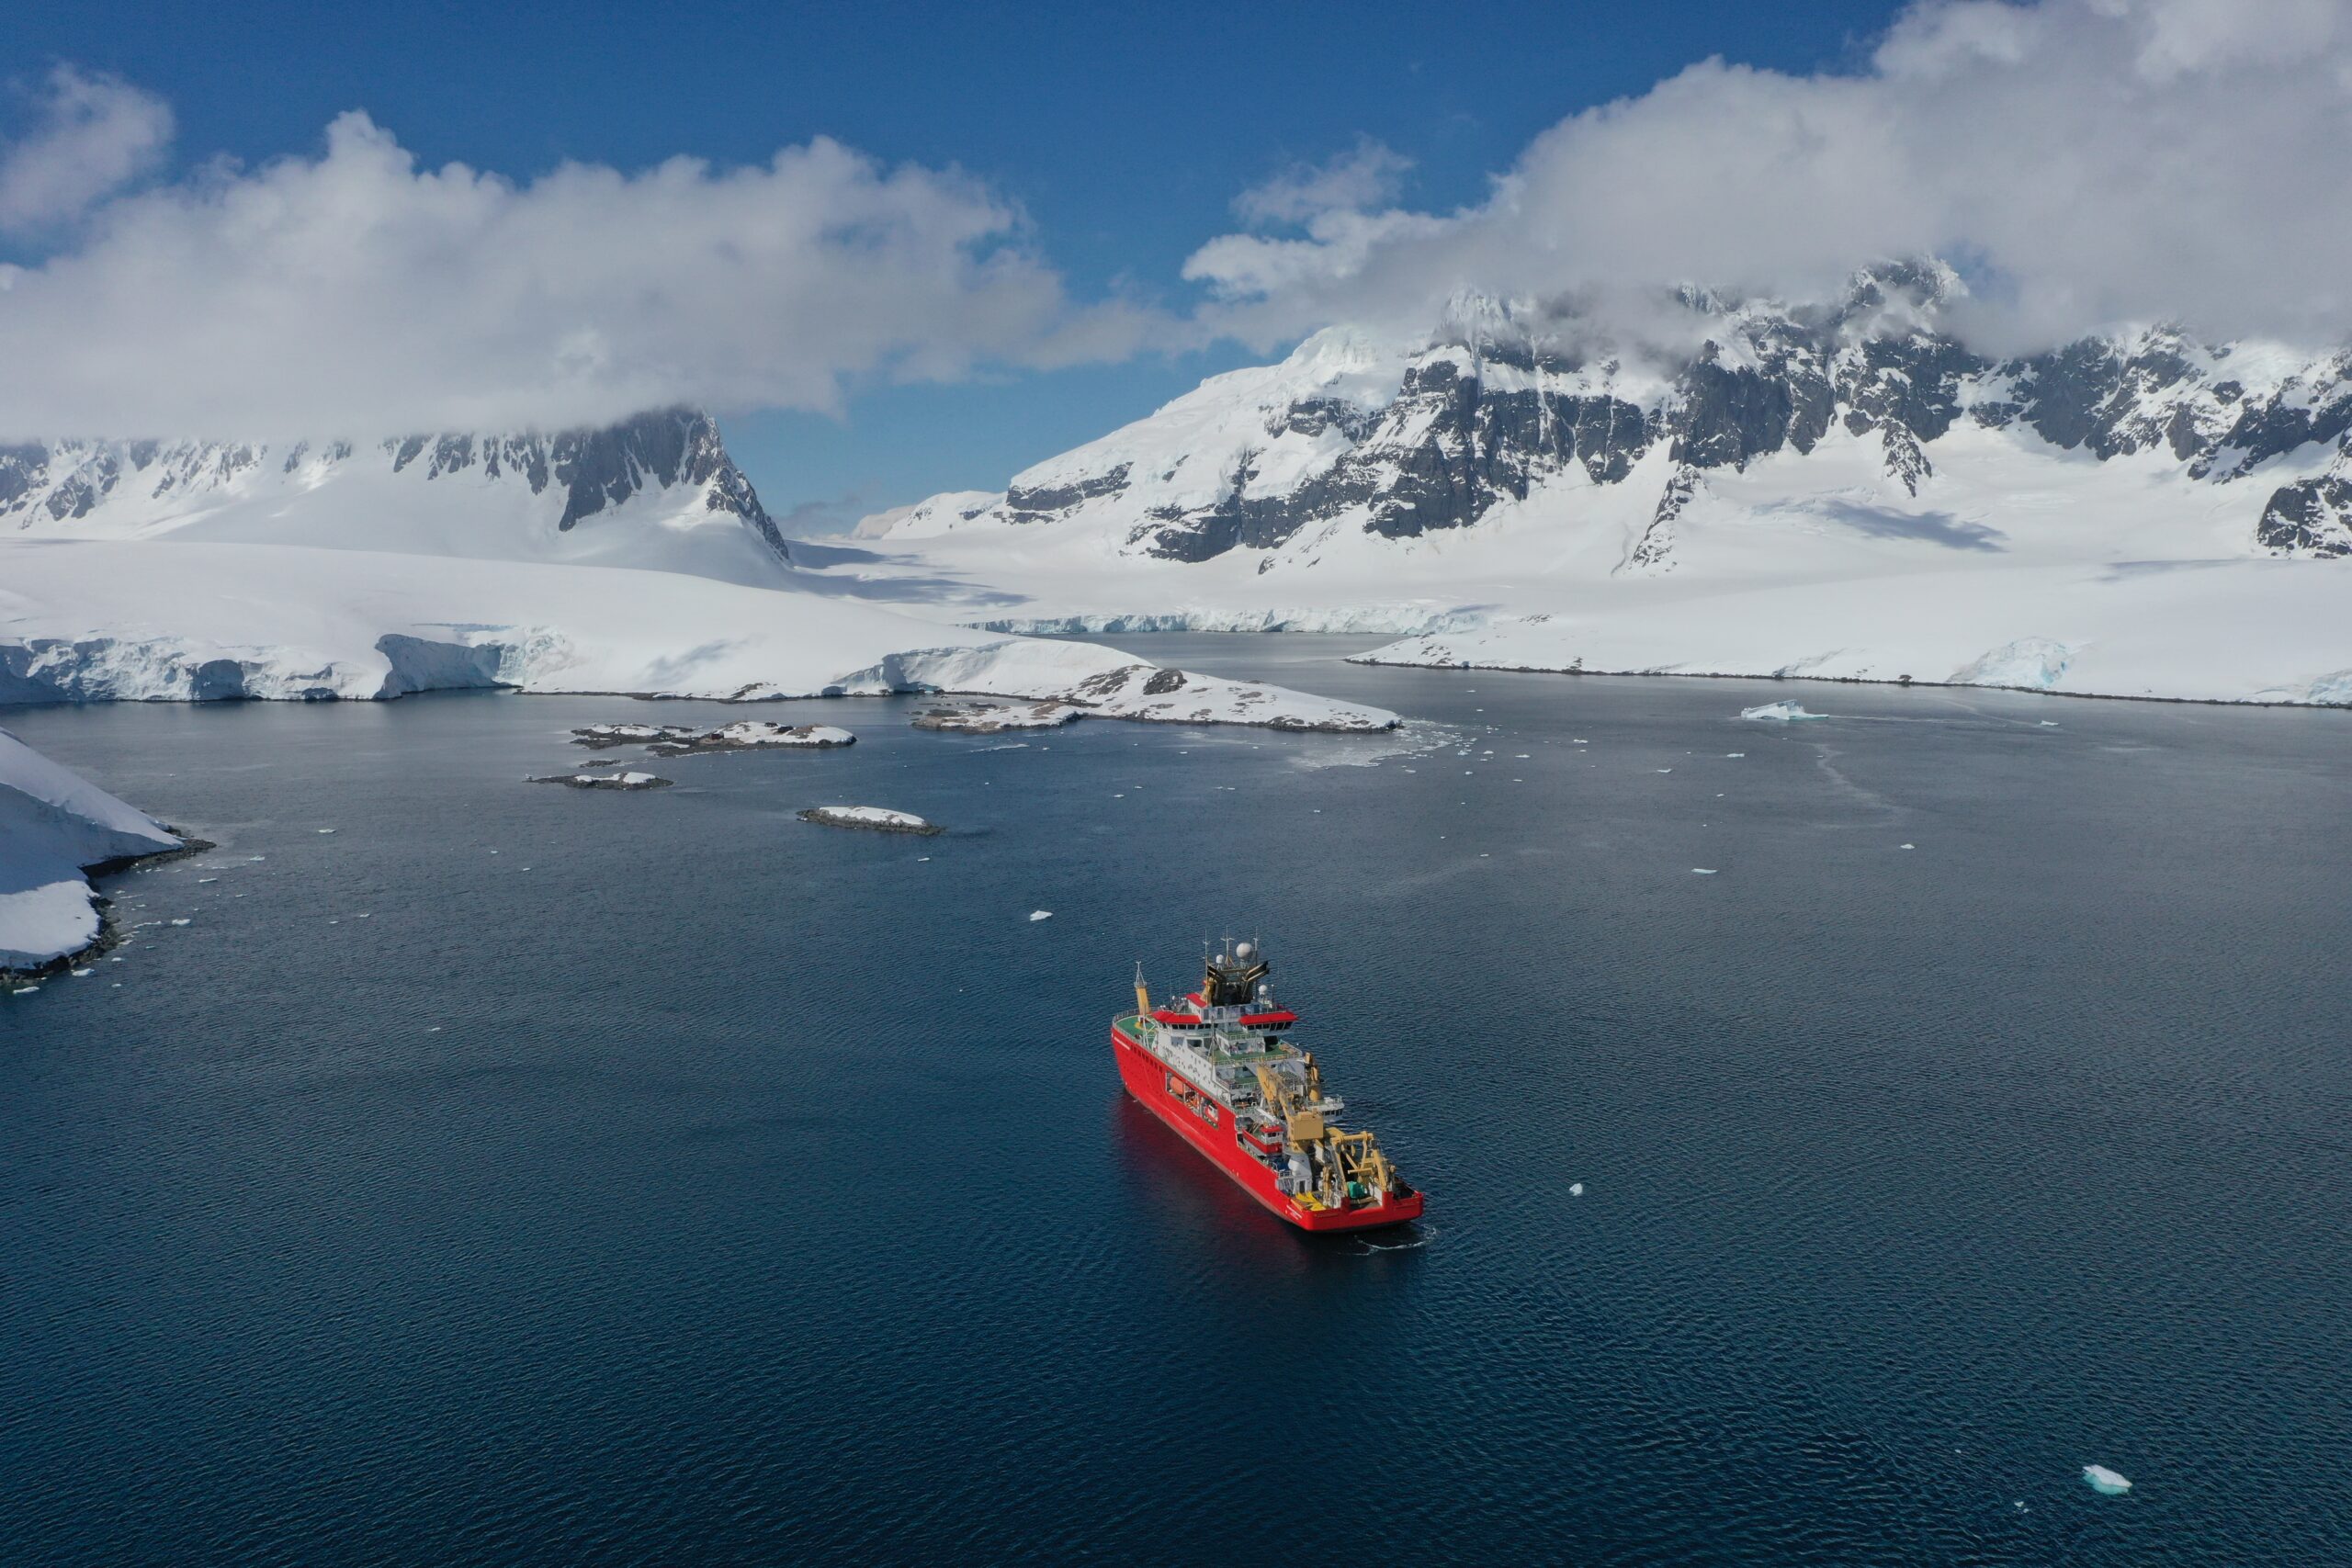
point(872, 819)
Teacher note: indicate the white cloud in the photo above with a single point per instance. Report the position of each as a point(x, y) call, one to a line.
point(1365, 175)
point(93, 134)
point(354, 293)
point(2096, 160)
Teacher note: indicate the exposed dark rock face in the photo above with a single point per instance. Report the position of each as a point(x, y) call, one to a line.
point(1029, 505)
point(1506, 398)
point(2311, 517)
point(594, 469)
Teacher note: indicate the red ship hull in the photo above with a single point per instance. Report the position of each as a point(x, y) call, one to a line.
point(1147, 1079)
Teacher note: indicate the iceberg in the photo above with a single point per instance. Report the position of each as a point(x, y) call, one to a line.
point(1780, 713)
point(2105, 1482)
point(1035, 915)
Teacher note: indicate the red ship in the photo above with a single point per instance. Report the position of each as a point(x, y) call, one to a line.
point(1214, 1067)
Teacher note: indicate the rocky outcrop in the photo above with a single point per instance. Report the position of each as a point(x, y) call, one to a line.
point(2311, 517)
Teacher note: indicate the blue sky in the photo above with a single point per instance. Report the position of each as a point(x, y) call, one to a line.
point(1123, 138)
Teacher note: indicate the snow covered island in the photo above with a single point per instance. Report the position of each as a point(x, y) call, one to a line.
point(874, 819)
point(624, 780)
point(995, 718)
point(683, 741)
point(56, 830)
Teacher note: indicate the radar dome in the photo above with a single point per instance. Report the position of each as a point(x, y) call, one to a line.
point(1246, 952)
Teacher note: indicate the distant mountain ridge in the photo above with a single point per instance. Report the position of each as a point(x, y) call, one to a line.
point(547, 484)
point(1506, 401)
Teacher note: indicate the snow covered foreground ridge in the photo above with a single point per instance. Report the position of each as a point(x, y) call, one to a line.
point(53, 823)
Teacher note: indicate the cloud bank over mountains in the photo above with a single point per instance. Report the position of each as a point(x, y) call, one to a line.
point(2083, 163)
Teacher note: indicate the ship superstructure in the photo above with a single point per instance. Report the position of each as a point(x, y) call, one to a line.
point(1216, 1066)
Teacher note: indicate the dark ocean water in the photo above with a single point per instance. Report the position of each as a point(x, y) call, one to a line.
point(683, 1182)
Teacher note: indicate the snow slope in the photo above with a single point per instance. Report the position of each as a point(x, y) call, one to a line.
point(53, 823)
point(163, 619)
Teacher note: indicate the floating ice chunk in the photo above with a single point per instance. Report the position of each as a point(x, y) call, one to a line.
point(326, 829)
point(1735, 753)
point(202, 880)
point(24, 990)
point(1702, 870)
point(1780, 713)
point(1520, 757)
point(919, 859)
point(180, 922)
point(251, 858)
point(1035, 915)
point(1666, 770)
point(1576, 1189)
point(2049, 724)
point(2105, 1482)
point(1910, 846)
point(82, 974)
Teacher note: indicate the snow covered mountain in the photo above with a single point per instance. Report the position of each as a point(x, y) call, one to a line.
point(1505, 401)
point(658, 490)
point(1724, 485)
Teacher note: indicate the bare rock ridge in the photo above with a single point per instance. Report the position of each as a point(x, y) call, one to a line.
point(1407, 440)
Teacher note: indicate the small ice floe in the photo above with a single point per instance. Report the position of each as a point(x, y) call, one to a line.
point(2105, 1482)
point(2049, 724)
point(82, 974)
point(362, 914)
point(1908, 846)
point(1520, 757)
point(182, 921)
point(202, 880)
point(1036, 915)
point(434, 1030)
point(1780, 713)
point(249, 859)
point(1734, 754)
point(326, 829)
point(1576, 1189)
point(24, 990)
point(1704, 870)
point(1666, 770)
point(919, 859)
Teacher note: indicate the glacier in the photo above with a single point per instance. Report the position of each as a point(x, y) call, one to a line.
point(634, 560)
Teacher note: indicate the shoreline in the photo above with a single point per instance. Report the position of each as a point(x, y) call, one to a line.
point(1371, 663)
point(112, 932)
